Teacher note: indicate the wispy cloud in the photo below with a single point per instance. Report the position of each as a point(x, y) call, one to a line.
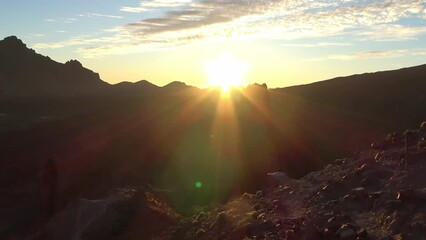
point(62, 20)
point(377, 54)
point(189, 22)
point(319, 44)
point(146, 6)
point(393, 32)
point(134, 9)
point(99, 15)
point(370, 54)
point(36, 35)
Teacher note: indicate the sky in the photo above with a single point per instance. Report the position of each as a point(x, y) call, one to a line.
point(281, 42)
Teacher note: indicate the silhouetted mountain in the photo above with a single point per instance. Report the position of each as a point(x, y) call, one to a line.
point(23, 72)
point(393, 98)
point(135, 89)
point(176, 85)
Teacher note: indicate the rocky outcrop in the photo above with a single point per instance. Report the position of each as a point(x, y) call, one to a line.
point(368, 196)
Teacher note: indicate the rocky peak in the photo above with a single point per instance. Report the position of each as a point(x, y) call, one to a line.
point(74, 63)
point(12, 43)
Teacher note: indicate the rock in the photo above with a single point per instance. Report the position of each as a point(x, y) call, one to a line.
point(360, 169)
point(289, 234)
point(378, 156)
point(362, 232)
point(340, 161)
point(221, 219)
point(257, 207)
point(280, 177)
point(420, 194)
point(245, 221)
point(201, 216)
point(400, 236)
point(347, 234)
point(246, 196)
point(200, 232)
point(253, 214)
point(393, 204)
point(359, 192)
point(261, 216)
point(327, 233)
point(419, 221)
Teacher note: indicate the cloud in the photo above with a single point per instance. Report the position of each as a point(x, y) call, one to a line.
point(377, 54)
point(393, 32)
point(100, 15)
point(134, 9)
point(319, 44)
point(146, 6)
point(36, 35)
point(370, 55)
point(186, 22)
point(62, 20)
point(80, 40)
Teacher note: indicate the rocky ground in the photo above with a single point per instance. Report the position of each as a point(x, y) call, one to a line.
point(379, 193)
point(369, 196)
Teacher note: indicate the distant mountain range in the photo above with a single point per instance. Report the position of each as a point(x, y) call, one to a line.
point(24, 73)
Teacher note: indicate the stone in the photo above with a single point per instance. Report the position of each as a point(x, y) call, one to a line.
point(200, 232)
point(420, 194)
point(359, 192)
point(289, 234)
point(362, 232)
point(347, 234)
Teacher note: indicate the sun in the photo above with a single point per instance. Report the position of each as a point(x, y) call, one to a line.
point(226, 72)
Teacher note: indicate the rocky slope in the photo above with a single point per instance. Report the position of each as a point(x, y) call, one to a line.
point(379, 193)
point(368, 196)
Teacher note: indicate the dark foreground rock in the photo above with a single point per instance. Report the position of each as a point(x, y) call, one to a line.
point(130, 213)
point(369, 196)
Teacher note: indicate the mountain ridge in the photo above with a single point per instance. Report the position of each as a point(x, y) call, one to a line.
point(78, 80)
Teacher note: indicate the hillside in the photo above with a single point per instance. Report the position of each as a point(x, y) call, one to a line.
point(366, 196)
point(387, 97)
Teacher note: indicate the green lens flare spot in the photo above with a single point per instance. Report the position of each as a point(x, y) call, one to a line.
point(198, 184)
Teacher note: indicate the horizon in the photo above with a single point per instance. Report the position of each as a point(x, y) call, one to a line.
point(243, 85)
point(164, 41)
